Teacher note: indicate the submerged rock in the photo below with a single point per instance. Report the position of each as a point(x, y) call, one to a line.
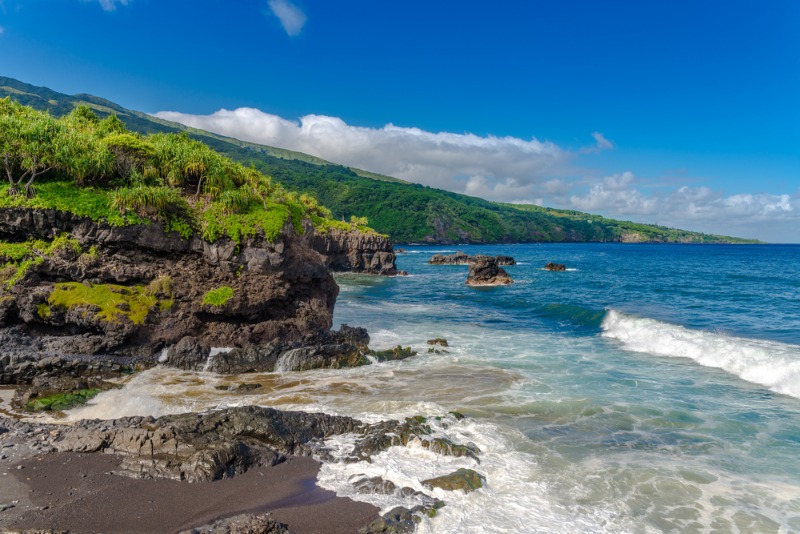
point(485, 272)
point(463, 479)
point(555, 267)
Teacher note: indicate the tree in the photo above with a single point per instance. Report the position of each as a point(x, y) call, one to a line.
point(29, 145)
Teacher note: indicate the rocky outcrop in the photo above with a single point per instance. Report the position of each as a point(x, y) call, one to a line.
point(484, 271)
point(204, 447)
point(461, 258)
point(555, 267)
point(281, 290)
point(347, 347)
point(353, 251)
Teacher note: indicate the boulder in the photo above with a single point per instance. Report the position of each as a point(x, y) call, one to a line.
point(484, 271)
point(555, 267)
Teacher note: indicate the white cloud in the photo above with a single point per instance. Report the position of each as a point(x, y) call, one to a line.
point(510, 169)
point(292, 17)
point(601, 143)
point(499, 168)
point(111, 5)
point(767, 216)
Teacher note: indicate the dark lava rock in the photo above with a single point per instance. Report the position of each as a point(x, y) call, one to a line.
point(460, 258)
point(485, 272)
point(242, 524)
point(353, 251)
point(57, 392)
point(204, 447)
point(442, 342)
point(463, 479)
point(555, 267)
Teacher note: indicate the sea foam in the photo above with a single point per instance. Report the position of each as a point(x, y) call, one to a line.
point(767, 363)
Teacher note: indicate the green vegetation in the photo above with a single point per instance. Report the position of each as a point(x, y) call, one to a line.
point(406, 212)
point(61, 401)
point(17, 258)
point(113, 302)
point(94, 167)
point(218, 297)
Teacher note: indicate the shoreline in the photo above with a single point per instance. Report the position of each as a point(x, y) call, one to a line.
point(79, 492)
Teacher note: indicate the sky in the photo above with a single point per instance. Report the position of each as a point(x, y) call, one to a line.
point(680, 113)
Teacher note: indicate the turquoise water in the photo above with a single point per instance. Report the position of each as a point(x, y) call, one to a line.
point(647, 389)
point(651, 388)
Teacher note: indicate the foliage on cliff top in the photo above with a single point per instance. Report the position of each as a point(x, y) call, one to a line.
point(96, 168)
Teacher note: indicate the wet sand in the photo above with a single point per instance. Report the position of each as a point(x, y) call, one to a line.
point(79, 493)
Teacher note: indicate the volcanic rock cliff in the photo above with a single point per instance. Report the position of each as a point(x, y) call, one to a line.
point(133, 291)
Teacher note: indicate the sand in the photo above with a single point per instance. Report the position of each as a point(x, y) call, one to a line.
point(79, 493)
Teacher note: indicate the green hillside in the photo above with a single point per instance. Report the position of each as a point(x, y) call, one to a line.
point(407, 212)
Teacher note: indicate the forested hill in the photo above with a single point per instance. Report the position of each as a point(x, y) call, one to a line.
point(407, 212)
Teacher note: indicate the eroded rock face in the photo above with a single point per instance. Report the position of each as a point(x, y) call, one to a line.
point(353, 251)
point(280, 290)
point(484, 271)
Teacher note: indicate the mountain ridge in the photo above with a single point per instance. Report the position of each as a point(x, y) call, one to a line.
point(407, 212)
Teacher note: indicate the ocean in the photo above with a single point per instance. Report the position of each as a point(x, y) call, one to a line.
point(648, 388)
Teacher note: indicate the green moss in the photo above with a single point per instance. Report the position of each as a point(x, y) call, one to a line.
point(61, 401)
point(219, 296)
point(114, 302)
point(238, 226)
point(43, 310)
point(20, 271)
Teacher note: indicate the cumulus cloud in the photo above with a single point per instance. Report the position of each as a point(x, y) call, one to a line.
point(767, 216)
point(292, 17)
point(498, 168)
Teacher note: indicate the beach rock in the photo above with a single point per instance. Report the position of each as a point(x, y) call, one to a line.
point(242, 524)
point(555, 267)
point(463, 479)
point(485, 272)
point(204, 447)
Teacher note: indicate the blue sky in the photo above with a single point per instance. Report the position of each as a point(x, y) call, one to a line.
point(683, 113)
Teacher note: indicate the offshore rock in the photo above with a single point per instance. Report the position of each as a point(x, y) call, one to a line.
point(460, 258)
point(353, 251)
point(555, 267)
point(463, 479)
point(484, 271)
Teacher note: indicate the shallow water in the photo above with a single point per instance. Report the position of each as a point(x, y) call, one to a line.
point(647, 389)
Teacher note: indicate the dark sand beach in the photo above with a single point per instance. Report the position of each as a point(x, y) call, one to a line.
point(79, 493)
